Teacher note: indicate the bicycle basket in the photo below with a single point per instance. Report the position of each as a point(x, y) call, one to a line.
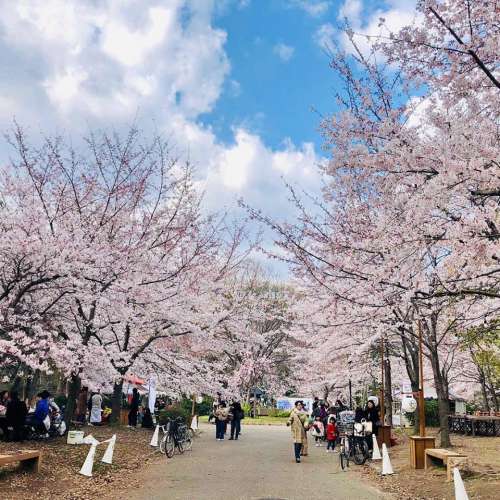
point(346, 428)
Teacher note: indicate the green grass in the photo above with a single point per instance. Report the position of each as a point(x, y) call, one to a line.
point(257, 421)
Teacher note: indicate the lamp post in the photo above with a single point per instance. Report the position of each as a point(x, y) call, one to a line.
point(350, 384)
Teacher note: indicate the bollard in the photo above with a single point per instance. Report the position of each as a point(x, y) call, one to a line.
point(87, 466)
point(376, 450)
point(108, 454)
point(460, 493)
point(154, 439)
point(386, 462)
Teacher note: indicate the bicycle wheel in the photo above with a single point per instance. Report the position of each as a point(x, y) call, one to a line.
point(344, 460)
point(180, 446)
point(162, 443)
point(187, 444)
point(358, 453)
point(169, 446)
point(366, 450)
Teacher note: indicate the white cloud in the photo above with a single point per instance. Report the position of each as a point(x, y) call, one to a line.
point(324, 35)
point(314, 8)
point(283, 51)
point(396, 13)
point(351, 10)
point(99, 64)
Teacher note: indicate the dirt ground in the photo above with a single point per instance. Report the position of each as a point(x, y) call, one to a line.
point(61, 462)
point(261, 466)
point(481, 482)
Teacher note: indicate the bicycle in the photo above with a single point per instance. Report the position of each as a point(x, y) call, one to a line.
point(176, 435)
point(164, 429)
point(353, 446)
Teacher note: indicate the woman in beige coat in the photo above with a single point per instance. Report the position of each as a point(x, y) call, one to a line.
point(298, 424)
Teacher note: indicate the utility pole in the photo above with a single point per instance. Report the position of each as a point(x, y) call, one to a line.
point(382, 388)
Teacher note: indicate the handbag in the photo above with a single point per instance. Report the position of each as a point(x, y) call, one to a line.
point(46, 422)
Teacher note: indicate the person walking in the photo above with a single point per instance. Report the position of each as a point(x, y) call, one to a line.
point(221, 415)
point(134, 408)
point(81, 405)
point(16, 416)
point(237, 415)
point(372, 415)
point(318, 430)
point(297, 422)
point(95, 408)
point(331, 434)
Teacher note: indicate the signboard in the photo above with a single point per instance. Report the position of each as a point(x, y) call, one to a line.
point(406, 388)
point(287, 404)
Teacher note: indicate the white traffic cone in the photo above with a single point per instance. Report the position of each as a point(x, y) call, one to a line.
point(386, 462)
point(90, 440)
point(154, 439)
point(86, 469)
point(460, 493)
point(108, 454)
point(376, 450)
point(194, 423)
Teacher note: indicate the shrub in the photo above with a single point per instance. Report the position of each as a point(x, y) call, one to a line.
point(276, 412)
point(203, 408)
point(61, 400)
point(171, 412)
point(246, 408)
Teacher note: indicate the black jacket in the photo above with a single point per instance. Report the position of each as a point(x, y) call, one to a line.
point(16, 413)
point(237, 411)
point(372, 416)
point(359, 415)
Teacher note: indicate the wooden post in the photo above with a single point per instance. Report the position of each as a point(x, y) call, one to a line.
point(418, 444)
point(421, 401)
point(382, 388)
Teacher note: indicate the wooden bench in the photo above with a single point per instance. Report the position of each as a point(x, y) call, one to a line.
point(449, 458)
point(28, 459)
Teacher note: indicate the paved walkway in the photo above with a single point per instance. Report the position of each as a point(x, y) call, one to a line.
point(259, 466)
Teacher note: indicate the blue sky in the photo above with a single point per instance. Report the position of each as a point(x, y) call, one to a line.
point(275, 94)
point(232, 83)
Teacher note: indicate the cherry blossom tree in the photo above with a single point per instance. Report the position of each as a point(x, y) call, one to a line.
point(138, 264)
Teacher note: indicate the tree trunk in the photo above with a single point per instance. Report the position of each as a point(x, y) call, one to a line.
point(494, 398)
point(388, 392)
point(32, 385)
point(16, 386)
point(443, 400)
point(116, 402)
point(75, 384)
point(484, 392)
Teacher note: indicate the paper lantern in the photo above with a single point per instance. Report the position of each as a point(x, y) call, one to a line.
point(408, 404)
